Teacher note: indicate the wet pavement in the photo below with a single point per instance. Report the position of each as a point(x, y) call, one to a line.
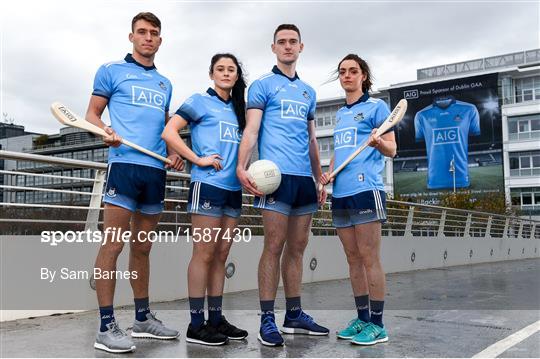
point(445, 312)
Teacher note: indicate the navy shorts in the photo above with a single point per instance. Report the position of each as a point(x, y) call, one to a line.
point(208, 200)
point(360, 208)
point(295, 196)
point(135, 187)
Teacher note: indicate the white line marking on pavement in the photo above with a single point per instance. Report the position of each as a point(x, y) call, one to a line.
point(503, 345)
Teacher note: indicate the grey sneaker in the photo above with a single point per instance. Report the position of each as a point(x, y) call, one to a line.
point(114, 340)
point(152, 328)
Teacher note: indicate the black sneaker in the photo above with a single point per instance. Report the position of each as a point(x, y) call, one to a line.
point(206, 335)
point(230, 330)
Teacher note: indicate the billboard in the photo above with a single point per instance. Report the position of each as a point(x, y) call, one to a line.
point(449, 140)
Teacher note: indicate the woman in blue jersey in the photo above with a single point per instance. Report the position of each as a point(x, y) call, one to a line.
point(216, 119)
point(358, 198)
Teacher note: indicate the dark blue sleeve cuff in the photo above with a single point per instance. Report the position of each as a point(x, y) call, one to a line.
point(255, 106)
point(100, 95)
point(184, 115)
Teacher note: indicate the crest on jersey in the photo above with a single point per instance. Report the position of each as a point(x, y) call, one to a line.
point(457, 118)
point(359, 116)
point(271, 200)
point(306, 95)
point(361, 177)
point(162, 85)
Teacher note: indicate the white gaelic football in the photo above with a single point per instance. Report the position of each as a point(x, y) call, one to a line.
point(266, 174)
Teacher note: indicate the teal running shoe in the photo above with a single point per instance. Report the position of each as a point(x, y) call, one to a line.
point(370, 334)
point(354, 327)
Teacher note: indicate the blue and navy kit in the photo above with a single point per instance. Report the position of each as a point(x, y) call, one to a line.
point(135, 187)
point(364, 207)
point(295, 196)
point(354, 125)
point(214, 130)
point(207, 200)
point(445, 126)
point(287, 104)
point(139, 99)
point(358, 193)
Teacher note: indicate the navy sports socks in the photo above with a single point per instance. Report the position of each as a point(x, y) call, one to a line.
point(267, 308)
point(293, 307)
point(106, 315)
point(196, 310)
point(214, 310)
point(362, 307)
point(377, 312)
point(142, 308)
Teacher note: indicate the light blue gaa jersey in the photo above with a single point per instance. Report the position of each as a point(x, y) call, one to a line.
point(214, 130)
point(354, 125)
point(287, 104)
point(445, 125)
point(139, 98)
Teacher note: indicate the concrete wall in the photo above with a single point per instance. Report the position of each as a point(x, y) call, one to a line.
point(169, 266)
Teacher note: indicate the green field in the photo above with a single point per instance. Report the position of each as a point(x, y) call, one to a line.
point(489, 177)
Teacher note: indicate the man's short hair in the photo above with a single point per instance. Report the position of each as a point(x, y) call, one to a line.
point(288, 27)
point(147, 16)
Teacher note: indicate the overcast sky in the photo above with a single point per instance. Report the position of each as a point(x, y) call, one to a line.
point(50, 50)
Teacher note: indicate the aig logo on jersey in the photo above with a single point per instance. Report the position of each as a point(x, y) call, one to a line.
point(345, 137)
point(229, 132)
point(444, 136)
point(147, 97)
point(294, 109)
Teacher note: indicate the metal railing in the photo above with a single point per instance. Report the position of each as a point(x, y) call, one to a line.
point(86, 211)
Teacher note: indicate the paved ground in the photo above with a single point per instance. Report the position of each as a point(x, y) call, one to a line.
point(452, 312)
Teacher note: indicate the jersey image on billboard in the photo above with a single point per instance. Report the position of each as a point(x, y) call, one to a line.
point(449, 140)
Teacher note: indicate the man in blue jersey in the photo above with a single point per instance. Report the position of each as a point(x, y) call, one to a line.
point(280, 114)
point(445, 126)
point(138, 98)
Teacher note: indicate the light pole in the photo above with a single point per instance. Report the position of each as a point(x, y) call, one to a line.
point(453, 170)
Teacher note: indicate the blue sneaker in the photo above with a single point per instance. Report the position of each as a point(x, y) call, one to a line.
point(354, 327)
point(269, 333)
point(304, 324)
point(371, 334)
